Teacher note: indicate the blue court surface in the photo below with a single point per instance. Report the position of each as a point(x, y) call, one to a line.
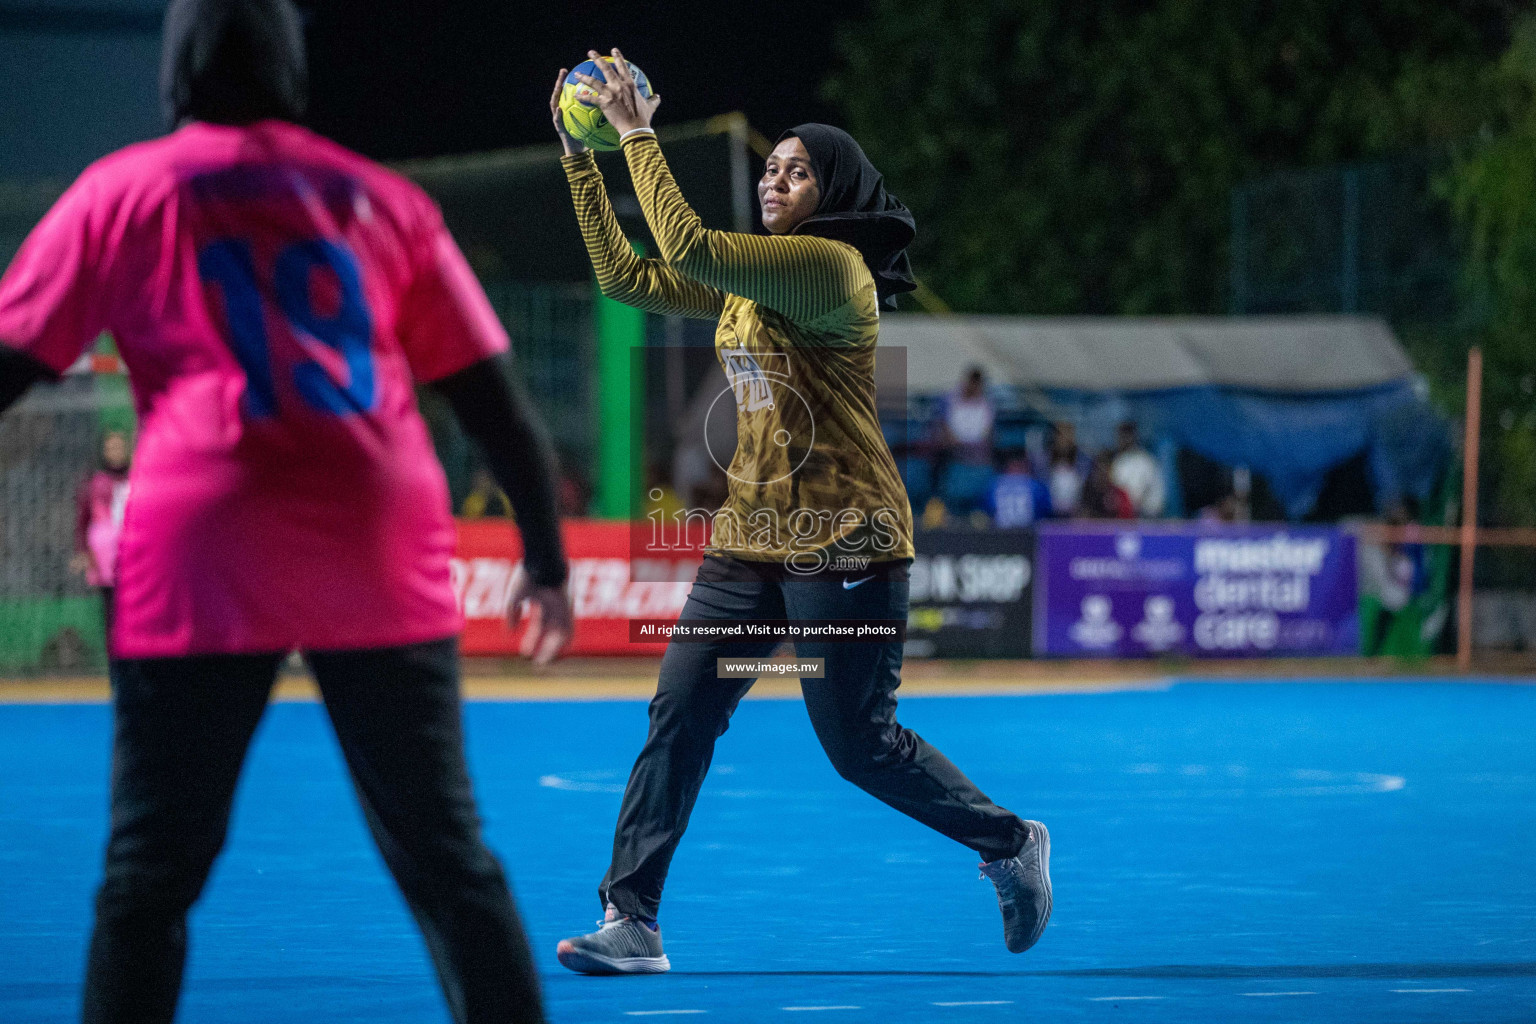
point(1353, 852)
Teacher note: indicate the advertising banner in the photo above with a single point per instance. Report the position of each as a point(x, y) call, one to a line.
point(1195, 589)
point(971, 594)
point(606, 586)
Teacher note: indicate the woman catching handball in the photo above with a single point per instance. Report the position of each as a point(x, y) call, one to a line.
point(798, 313)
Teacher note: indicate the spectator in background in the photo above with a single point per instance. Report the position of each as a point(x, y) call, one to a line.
point(1235, 505)
point(1137, 473)
point(1229, 508)
point(705, 439)
point(964, 468)
point(485, 499)
point(661, 500)
point(1067, 469)
point(574, 494)
point(1017, 499)
point(711, 494)
point(1394, 574)
point(1100, 497)
point(935, 515)
point(99, 508)
point(965, 427)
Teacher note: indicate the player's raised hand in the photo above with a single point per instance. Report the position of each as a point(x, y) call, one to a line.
point(618, 97)
point(548, 610)
point(572, 147)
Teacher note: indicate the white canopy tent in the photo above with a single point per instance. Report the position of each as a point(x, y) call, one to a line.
point(1303, 354)
point(1289, 397)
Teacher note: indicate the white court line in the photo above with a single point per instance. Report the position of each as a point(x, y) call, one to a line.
point(580, 786)
point(978, 1002)
point(1119, 999)
point(795, 1009)
point(1279, 993)
point(1417, 990)
point(658, 1013)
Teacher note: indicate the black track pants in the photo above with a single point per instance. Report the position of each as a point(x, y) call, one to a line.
point(853, 710)
point(181, 730)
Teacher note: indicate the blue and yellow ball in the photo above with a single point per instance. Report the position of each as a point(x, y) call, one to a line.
point(579, 110)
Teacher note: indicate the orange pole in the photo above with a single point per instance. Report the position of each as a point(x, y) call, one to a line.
point(1469, 508)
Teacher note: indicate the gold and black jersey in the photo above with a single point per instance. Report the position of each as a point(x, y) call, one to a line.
point(812, 478)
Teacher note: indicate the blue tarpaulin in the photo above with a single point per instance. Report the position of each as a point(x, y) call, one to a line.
point(1290, 398)
point(1291, 440)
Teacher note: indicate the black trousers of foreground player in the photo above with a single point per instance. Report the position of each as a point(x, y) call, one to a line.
point(853, 710)
point(181, 730)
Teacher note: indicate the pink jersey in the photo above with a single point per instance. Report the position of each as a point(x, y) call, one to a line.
point(99, 508)
point(274, 297)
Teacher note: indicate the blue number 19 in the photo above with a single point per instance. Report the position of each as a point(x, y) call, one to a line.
point(228, 264)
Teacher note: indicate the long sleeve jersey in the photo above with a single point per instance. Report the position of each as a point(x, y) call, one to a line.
point(99, 507)
point(812, 482)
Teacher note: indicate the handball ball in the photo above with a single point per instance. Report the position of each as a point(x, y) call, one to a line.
point(579, 110)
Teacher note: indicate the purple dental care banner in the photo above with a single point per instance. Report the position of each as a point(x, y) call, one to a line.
point(1194, 589)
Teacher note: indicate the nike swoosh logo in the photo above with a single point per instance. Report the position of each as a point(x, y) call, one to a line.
point(850, 586)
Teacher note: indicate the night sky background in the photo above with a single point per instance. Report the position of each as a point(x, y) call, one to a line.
point(398, 79)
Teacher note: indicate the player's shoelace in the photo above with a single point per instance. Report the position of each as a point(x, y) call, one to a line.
point(1005, 873)
point(634, 941)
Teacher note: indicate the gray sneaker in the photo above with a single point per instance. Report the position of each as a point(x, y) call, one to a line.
point(1024, 889)
point(621, 945)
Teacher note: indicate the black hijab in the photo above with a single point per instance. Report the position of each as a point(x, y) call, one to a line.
point(232, 61)
point(855, 208)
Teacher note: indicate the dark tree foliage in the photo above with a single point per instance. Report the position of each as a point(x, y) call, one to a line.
point(1077, 156)
point(1493, 190)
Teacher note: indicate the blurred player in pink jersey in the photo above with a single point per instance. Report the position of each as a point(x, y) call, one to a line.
point(99, 507)
point(275, 298)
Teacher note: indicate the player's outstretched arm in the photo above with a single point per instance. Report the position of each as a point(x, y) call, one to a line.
point(496, 412)
point(646, 284)
point(803, 277)
point(18, 372)
point(51, 296)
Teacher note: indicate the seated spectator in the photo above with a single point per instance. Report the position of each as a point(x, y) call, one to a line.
point(1017, 499)
point(660, 500)
point(1137, 473)
point(574, 494)
point(1229, 508)
point(1101, 498)
point(1066, 469)
point(485, 499)
point(917, 475)
point(709, 494)
point(964, 486)
point(1392, 574)
point(935, 515)
point(966, 420)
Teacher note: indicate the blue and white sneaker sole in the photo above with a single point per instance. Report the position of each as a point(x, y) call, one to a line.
point(595, 963)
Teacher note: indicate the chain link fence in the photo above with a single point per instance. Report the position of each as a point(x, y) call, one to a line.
point(51, 621)
point(1353, 238)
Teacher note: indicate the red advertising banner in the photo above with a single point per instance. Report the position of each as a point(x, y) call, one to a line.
point(604, 589)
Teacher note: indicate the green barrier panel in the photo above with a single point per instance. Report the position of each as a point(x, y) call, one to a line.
point(620, 331)
point(51, 634)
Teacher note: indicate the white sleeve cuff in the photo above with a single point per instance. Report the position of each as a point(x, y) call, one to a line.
point(636, 131)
